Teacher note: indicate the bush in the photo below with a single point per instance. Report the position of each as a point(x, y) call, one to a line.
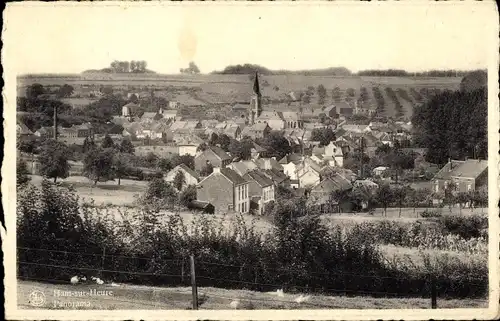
point(465, 226)
point(430, 213)
point(148, 247)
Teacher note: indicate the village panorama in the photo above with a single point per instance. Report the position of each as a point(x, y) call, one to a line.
point(249, 188)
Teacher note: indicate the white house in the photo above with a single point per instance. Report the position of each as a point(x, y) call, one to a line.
point(335, 152)
point(190, 176)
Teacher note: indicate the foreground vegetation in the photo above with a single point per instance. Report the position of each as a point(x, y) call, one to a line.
point(299, 254)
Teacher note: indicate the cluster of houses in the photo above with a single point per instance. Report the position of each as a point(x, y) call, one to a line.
point(248, 186)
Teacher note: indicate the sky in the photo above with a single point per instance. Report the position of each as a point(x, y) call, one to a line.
point(421, 35)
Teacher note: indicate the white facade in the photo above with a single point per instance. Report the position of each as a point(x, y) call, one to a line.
point(309, 178)
point(188, 178)
point(187, 149)
point(242, 201)
point(290, 170)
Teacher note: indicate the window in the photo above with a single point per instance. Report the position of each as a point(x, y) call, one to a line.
point(239, 207)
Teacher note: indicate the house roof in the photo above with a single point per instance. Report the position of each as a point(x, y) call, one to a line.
point(23, 129)
point(234, 177)
point(179, 124)
point(258, 148)
point(330, 184)
point(290, 116)
point(291, 158)
point(187, 170)
point(275, 175)
point(219, 152)
point(259, 177)
point(169, 112)
point(148, 115)
point(318, 151)
point(258, 127)
point(242, 167)
point(261, 162)
point(471, 168)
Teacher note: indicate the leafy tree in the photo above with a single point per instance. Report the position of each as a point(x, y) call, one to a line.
point(400, 194)
point(121, 165)
point(202, 147)
point(474, 81)
point(187, 196)
point(53, 159)
point(88, 144)
point(336, 94)
point(28, 145)
point(126, 146)
point(161, 192)
point(452, 124)
point(385, 197)
point(107, 142)
point(179, 180)
point(207, 170)
point(321, 94)
point(462, 198)
point(151, 160)
point(323, 135)
point(65, 91)
point(214, 139)
point(241, 149)
point(224, 141)
point(98, 165)
point(276, 145)
point(22, 178)
point(187, 160)
point(34, 91)
point(165, 164)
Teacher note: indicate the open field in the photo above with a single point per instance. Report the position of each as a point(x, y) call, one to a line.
point(132, 297)
point(232, 88)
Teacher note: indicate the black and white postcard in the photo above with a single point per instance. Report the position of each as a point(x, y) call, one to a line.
point(251, 160)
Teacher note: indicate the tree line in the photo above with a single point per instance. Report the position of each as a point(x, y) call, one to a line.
point(133, 66)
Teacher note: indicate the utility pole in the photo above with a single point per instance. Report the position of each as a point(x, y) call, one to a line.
point(55, 123)
point(362, 149)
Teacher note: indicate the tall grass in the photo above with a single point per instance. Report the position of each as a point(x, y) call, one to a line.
point(300, 253)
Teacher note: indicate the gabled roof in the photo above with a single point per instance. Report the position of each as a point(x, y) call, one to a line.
point(23, 129)
point(471, 168)
point(259, 127)
point(261, 162)
point(242, 167)
point(334, 183)
point(179, 124)
point(232, 176)
point(258, 148)
point(219, 152)
point(131, 105)
point(259, 177)
point(290, 158)
point(187, 170)
point(290, 116)
point(148, 115)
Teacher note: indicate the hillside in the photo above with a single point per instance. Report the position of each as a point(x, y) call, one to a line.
point(202, 90)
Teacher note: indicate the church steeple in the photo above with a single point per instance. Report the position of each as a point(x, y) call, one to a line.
point(255, 103)
point(256, 87)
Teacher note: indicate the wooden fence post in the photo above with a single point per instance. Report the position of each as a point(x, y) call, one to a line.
point(433, 293)
point(193, 284)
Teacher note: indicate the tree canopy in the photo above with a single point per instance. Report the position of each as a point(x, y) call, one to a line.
point(453, 124)
point(53, 159)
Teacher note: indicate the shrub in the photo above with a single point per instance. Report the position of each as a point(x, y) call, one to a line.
point(430, 213)
point(149, 247)
point(465, 226)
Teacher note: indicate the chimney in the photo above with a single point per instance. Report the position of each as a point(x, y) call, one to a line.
point(267, 164)
point(451, 163)
point(216, 169)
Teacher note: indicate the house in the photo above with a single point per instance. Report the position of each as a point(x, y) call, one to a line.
point(225, 190)
point(335, 152)
point(269, 163)
point(257, 151)
point(214, 156)
point(187, 143)
point(272, 118)
point(355, 128)
point(289, 164)
point(162, 151)
point(168, 114)
point(291, 119)
point(22, 129)
point(173, 104)
point(257, 130)
point(468, 175)
point(129, 110)
point(261, 190)
point(190, 176)
point(331, 111)
point(344, 109)
point(148, 116)
point(161, 130)
point(232, 131)
point(380, 171)
point(243, 167)
point(320, 195)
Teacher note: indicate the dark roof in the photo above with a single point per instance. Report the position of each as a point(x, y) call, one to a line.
point(275, 175)
point(219, 152)
point(333, 183)
point(259, 177)
point(470, 168)
point(290, 158)
point(258, 149)
point(234, 177)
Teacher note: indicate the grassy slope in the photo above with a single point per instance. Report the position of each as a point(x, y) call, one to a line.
point(145, 297)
